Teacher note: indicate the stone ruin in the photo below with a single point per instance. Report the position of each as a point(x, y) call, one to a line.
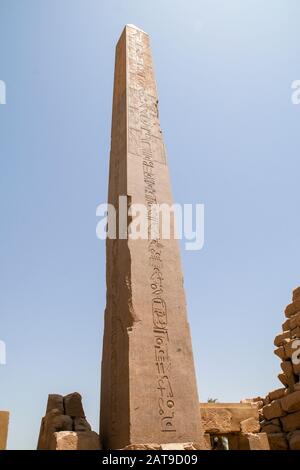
point(64, 427)
point(280, 409)
point(233, 426)
point(4, 420)
point(259, 423)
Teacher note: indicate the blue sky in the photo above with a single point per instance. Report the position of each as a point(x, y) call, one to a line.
point(224, 73)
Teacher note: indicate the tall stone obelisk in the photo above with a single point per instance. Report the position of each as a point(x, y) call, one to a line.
point(148, 384)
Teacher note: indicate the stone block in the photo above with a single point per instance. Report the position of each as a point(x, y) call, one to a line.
point(271, 428)
point(292, 308)
point(4, 421)
point(294, 321)
point(278, 441)
point(279, 340)
point(273, 410)
point(174, 446)
point(250, 425)
point(291, 422)
point(81, 424)
point(296, 370)
point(276, 394)
point(294, 440)
point(73, 405)
point(296, 294)
point(289, 349)
point(286, 325)
point(151, 446)
point(280, 352)
point(55, 402)
point(254, 441)
point(289, 377)
point(283, 379)
point(291, 402)
point(295, 332)
point(70, 440)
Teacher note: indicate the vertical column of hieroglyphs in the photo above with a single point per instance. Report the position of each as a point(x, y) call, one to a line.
point(145, 140)
point(168, 385)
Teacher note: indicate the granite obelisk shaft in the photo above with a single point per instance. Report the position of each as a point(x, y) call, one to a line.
point(148, 385)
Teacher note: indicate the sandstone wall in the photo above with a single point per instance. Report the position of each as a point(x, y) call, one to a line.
point(280, 415)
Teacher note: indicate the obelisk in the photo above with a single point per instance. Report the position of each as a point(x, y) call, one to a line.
point(148, 383)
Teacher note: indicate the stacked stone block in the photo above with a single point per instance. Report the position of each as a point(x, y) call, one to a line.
point(64, 427)
point(281, 410)
point(236, 423)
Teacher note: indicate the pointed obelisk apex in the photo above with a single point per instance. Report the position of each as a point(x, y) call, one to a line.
point(148, 384)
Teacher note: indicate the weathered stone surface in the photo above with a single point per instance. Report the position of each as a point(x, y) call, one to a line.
point(225, 418)
point(4, 421)
point(175, 446)
point(51, 423)
point(291, 422)
point(279, 340)
point(294, 321)
point(250, 425)
point(73, 405)
point(276, 394)
point(292, 308)
point(294, 440)
point(280, 352)
point(142, 447)
point(296, 370)
point(278, 441)
point(296, 294)
point(254, 441)
point(289, 376)
point(283, 379)
point(218, 421)
point(70, 440)
point(286, 325)
point(55, 402)
point(287, 367)
point(273, 410)
point(270, 428)
point(81, 424)
point(169, 446)
point(289, 349)
point(63, 440)
point(143, 397)
point(291, 402)
point(295, 332)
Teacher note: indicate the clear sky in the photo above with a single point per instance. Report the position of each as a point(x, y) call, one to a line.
point(224, 73)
